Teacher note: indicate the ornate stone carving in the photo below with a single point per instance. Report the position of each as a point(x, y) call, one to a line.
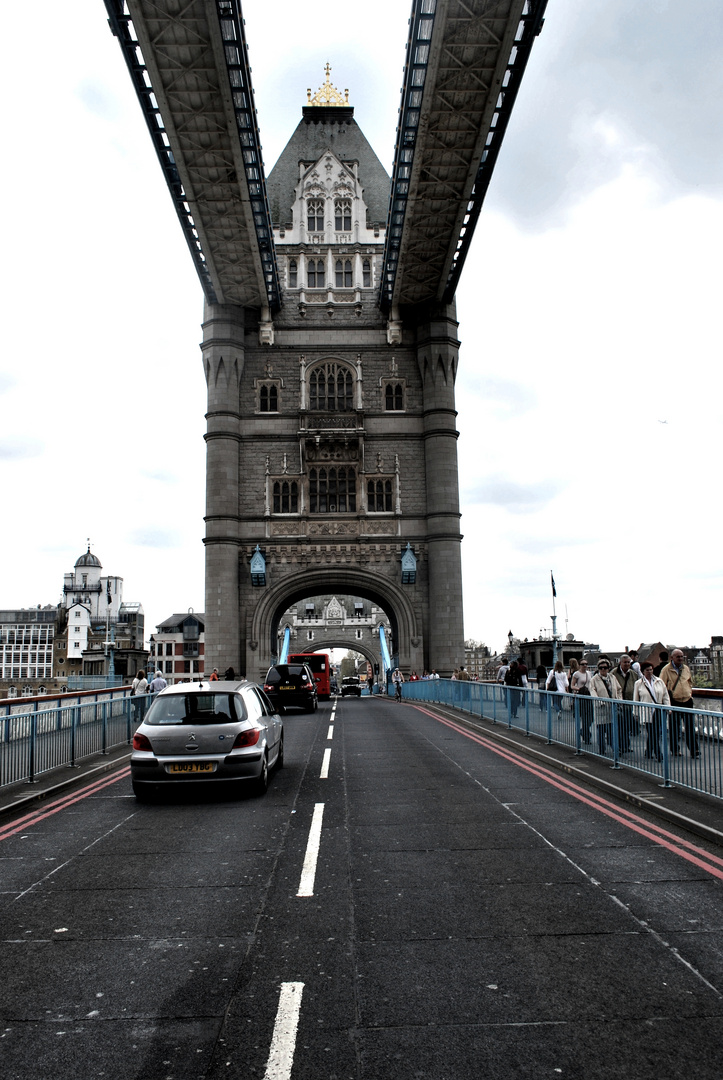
point(286, 528)
point(333, 528)
point(379, 528)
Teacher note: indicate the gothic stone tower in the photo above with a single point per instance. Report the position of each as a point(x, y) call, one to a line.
point(331, 436)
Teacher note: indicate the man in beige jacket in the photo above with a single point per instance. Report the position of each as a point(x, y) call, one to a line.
point(679, 683)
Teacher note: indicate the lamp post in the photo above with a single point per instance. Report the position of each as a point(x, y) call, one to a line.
point(510, 639)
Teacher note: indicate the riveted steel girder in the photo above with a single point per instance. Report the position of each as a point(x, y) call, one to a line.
point(465, 60)
point(188, 61)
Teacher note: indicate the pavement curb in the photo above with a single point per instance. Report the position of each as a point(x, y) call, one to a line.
point(49, 790)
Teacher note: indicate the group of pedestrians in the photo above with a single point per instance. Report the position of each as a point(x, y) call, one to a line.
point(629, 683)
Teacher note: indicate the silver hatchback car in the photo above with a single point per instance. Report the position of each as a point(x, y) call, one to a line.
point(220, 732)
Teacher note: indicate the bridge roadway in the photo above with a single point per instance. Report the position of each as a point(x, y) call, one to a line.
point(472, 914)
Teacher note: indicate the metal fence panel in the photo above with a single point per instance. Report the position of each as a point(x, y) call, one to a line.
point(679, 746)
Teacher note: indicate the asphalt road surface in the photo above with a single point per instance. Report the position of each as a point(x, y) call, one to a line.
point(409, 900)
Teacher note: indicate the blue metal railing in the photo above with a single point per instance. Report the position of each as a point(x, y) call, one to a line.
point(680, 746)
point(34, 739)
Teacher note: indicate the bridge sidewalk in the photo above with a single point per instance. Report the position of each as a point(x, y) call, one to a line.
point(696, 812)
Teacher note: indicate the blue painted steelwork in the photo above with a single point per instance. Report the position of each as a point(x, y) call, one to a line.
point(530, 26)
point(285, 645)
point(122, 26)
point(683, 747)
point(386, 658)
point(421, 25)
point(239, 75)
point(41, 738)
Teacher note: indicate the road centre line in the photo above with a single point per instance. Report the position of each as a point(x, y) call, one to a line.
point(308, 871)
point(685, 849)
point(331, 732)
point(283, 1040)
point(324, 774)
point(36, 816)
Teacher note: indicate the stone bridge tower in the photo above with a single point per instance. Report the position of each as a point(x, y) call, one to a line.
point(331, 435)
point(330, 336)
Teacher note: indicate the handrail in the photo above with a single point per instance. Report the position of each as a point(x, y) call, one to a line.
point(682, 747)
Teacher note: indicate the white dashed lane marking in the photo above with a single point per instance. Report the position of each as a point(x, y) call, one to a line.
point(308, 872)
point(283, 1041)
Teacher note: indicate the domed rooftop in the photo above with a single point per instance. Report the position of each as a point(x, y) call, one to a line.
point(88, 559)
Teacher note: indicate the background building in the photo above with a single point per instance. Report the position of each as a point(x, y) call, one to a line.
point(177, 648)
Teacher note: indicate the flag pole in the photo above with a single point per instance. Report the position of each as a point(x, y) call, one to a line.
point(555, 656)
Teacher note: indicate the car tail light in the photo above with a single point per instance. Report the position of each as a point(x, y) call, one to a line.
point(267, 687)
point(141, 742)
point(249, 737)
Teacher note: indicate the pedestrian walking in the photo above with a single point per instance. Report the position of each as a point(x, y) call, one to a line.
point(557, 682)
point(604, 686)
point(513, 679)
point(626, 678)
point(159, 683)
point(679, 682)
point(650, 689)
point(580, 685)
point(397, 679)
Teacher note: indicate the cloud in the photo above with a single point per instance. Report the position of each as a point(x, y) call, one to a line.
point(517, 498)
point(18, 449)
point(7, 381)
point(154, 538)
point(623, 84)
point(504, 396)
point(160, 475)
point(97, 100)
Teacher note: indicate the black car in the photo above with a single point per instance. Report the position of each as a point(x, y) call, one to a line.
point(291, 685)
point(351, 685)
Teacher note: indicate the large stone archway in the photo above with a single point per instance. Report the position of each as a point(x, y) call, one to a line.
point(263, 623)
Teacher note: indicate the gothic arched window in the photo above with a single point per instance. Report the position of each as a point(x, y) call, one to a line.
point(379, 496)
point(342, 215)
point(315, 273)
point(332, 490)
point(286, 497)
point(293, 273)
point(269, 397)
point(367, 274)
point(343, 273)
point(331, 388)
point(394, 397)
point(315, 215)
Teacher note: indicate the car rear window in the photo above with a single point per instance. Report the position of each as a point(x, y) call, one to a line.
point(284, 672)
point(195, 709)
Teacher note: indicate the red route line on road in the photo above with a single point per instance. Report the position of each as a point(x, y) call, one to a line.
point(683, 848)
point(36, 816)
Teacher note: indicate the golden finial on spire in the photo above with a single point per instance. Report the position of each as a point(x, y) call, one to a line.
point(327, 94)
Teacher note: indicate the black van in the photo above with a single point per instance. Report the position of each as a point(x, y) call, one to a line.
point(290, 685)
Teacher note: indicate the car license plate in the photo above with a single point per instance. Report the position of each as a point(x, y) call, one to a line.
point(192, 767)
point(287, 688)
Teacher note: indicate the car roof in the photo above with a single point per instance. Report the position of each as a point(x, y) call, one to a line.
point(226, 686)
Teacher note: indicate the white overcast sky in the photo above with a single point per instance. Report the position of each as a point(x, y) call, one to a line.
point(589, 388)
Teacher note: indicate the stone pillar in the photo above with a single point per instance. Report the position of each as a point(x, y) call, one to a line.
point(437, 352)
point(223, 361)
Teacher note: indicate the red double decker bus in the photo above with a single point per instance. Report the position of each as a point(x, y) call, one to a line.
point(320, 664)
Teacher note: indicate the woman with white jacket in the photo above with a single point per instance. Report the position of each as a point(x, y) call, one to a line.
point(650, 690)
point(603, 685)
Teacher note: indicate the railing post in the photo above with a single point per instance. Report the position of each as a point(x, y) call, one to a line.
point(549, 718)
point(527, 712)
point(665, 714)
point(33, 736)
point(578, 737)
point(616, 740)
point(104, 717)
point(74, 711)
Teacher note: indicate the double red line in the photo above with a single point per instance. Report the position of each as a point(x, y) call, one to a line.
point(47, 810)
point(692, 853)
